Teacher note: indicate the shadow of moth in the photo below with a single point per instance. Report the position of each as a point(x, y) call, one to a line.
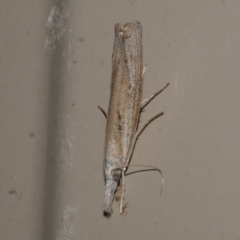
point(125, 107)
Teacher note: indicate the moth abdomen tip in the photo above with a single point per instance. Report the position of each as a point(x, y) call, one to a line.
point(107, 212)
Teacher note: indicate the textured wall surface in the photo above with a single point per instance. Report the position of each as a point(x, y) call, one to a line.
point(55, 61)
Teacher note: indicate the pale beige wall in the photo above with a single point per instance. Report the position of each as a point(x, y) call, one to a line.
point(52, 78)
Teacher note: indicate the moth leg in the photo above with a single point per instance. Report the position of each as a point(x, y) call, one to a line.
point(147, 123)
point(146, 101)
point(139, 133)
point(103, 111)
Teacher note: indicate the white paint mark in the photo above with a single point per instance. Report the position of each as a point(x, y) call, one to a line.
point(64, 142)
point(67, 224)
point(55, 25)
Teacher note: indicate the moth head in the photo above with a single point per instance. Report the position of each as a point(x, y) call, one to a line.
point(122, 30)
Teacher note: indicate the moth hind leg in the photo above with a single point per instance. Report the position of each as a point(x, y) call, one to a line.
point(147, 123)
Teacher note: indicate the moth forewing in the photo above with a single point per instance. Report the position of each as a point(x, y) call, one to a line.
point(125, 106)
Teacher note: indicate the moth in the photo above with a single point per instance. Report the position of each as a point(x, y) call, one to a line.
point(125, 107)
